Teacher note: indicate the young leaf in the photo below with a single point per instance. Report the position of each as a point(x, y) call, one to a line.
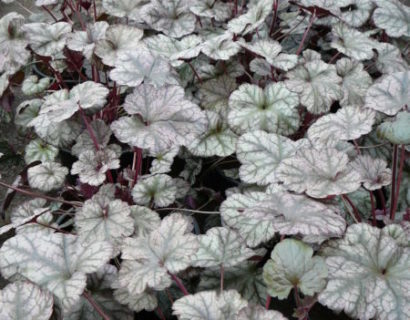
point(393, 17)
point(396, 131)
point(317, 83)
point(47, 176)
point(24, 300)
point(272, 109)
point(32, 85)
point(318, 172)
point(348, 123)
point(368, 273)
point(92, 166)
point(132, 67)
point(260, 154)
point(219, 140)
point(104, 219)
point(172, 17)
point(147, 260)
point(38, 150)
point(390, 94)
point(162, 161)
point(209, 305)
point(374, 172)
point(118, 38)
point(292, 265)
point(161, 118)
point(159, 189)
point(56, 261)
point(47, 39)
point(221, 247)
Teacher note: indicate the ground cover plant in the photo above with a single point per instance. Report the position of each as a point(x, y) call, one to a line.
point(205, 159)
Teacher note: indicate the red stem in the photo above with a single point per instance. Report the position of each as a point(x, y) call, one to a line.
point(95, 11)
point(38, 195)
point(78, 14)
point(53, 228)
point(50, 13)
point(296, 296)
point(374, 222)
point(194, 71)
point(160, 313)
point(334, 57)
point(235, 7)
point(179, 284)
point(95, 306)
point(312, 19)
point(89, 129)
point(355, 211)
point(138, 164)
point(94, 139)
point(399, 178)
point(275, 14)
point(268, 300)
point(382, 200)
point(393, 180)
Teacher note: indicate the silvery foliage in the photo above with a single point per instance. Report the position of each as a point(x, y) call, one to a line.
point(195, 158)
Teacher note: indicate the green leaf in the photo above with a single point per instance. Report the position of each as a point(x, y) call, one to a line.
point(292, 265)
point(219, 140)
point(159, 189)
point(272, 109)
point(47, 176)
point(396, 131)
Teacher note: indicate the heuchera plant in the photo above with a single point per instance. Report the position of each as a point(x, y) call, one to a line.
point(206, 160)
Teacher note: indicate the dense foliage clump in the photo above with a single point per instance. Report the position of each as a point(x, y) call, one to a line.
point(205, 159)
